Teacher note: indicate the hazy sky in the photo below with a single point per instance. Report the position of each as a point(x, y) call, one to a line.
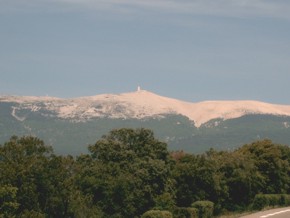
point(193, 50)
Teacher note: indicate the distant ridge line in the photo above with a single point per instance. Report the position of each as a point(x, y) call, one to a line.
point(141, 104)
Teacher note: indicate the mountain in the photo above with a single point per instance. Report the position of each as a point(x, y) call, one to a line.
point(71, 124)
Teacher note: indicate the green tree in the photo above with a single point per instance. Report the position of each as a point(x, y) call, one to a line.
point(128, 170)
point(45, 183)
point(21, 161)
point(56, 186)
point(198, 178)
point(273, 163)
point(240, 176)
point(8, 201)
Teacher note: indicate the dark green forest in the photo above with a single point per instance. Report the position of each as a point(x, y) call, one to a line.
point(128, 173)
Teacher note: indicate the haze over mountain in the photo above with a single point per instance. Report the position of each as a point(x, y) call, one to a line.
point(184, 125)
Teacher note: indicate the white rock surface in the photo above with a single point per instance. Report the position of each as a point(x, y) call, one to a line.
point(141, 104)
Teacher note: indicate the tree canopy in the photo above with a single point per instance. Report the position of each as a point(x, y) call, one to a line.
point(128, 172)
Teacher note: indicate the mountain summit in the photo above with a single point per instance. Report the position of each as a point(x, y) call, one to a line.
point(139, 104)
point(69, 125)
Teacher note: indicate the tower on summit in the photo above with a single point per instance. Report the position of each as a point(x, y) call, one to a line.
point(138, 89)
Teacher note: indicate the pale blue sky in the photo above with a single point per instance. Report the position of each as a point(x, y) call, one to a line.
point(193, 50)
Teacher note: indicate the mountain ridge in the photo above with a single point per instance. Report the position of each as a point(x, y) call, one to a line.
point(69, 125)
point(140, 104)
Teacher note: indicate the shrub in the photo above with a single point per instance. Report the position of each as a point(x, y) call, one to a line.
point(285, 200)
point(205, 208)
point(185, 212)
point(31, 213)
point(157, 214)
point(265, 200)
point(274, 200)
point(260, 201)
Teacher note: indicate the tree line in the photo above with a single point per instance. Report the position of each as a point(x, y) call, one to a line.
point(129, 172)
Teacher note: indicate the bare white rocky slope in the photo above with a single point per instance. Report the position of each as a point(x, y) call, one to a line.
point(139, 104)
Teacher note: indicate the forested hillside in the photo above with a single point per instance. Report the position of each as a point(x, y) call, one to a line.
point(129, 172)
